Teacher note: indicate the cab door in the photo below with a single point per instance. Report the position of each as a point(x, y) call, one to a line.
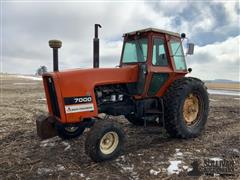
point(159, 66)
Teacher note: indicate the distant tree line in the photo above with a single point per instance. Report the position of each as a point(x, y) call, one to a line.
point(41, 70)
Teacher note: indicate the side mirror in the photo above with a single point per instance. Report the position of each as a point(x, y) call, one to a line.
point(190, 49)
point(183, 35)
point(189, 70)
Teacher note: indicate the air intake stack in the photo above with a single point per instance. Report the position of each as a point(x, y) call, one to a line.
point(55, 45)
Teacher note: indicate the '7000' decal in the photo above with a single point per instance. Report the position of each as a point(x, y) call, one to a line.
point(78, 104)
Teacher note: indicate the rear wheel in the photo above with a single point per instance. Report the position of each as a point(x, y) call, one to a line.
point(186, 108)
point(104, 141)
point(69, 131)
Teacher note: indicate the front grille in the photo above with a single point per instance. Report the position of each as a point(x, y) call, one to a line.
point(53, 96)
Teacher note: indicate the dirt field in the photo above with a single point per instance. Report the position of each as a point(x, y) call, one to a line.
point(149, 154)
point(224, 86)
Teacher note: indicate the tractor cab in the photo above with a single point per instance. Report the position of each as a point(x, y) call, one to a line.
point(159, 55)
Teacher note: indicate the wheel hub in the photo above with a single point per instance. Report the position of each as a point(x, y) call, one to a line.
point(71, 129)
point(191, 109)
point(109, 142)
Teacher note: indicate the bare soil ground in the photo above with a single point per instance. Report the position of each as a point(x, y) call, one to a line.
point(224, 86)
point(149, 154)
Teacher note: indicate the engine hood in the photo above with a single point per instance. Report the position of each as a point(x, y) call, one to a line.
point(82, 81)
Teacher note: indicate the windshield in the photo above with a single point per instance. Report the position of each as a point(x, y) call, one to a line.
point(135, 51)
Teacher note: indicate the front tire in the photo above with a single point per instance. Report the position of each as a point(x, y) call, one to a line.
point(186, 108)
point(69, 131)
point(105, 141)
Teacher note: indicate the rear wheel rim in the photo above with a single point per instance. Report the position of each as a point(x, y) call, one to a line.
point(109, 142)
point(191, 109)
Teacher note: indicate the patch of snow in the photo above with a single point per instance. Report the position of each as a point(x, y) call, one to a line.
point(140, 154)
point(126, 167)
point(24, 83)
point(123, 158)
point(235, 150)
point(237, 98)
point(49, 142)
point(77, 174)
point(185, 167)
point(178, 153)
point(152, 157)
point(173, 167)
point(216, 159)
point(68, 146)
point(42, 171)
point(2, 130)
point(213, 100)
point(41, 99)
point(35, 78)
point(198, 150)
point(60, 167)
point(189, 169)
point(164, 170)
point(154, 172)
point(224, 92)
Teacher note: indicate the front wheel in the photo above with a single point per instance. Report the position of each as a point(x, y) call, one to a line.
point(69, 131)
point(186, 108)
point(104, 141)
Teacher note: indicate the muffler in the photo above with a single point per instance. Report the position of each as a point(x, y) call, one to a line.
point(96, 47)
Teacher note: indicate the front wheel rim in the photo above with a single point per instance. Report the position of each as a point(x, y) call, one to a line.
point(71, 129)
point(109, 142)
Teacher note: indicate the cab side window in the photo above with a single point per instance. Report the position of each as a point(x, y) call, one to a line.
point(159, 57)
point(178, 55)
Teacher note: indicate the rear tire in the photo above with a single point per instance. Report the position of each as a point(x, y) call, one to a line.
point(105, 141)
point(186, 106)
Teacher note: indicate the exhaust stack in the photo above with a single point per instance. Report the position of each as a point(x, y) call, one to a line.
point(96, 47)
point(55, 45)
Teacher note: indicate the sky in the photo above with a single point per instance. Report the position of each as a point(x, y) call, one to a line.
point(26, 27)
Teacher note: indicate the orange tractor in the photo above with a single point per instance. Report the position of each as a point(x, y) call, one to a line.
point(148, 87)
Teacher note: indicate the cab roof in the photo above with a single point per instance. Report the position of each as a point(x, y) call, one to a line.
point(153, 30)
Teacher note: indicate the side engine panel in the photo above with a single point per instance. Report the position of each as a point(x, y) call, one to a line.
point(114, 99)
